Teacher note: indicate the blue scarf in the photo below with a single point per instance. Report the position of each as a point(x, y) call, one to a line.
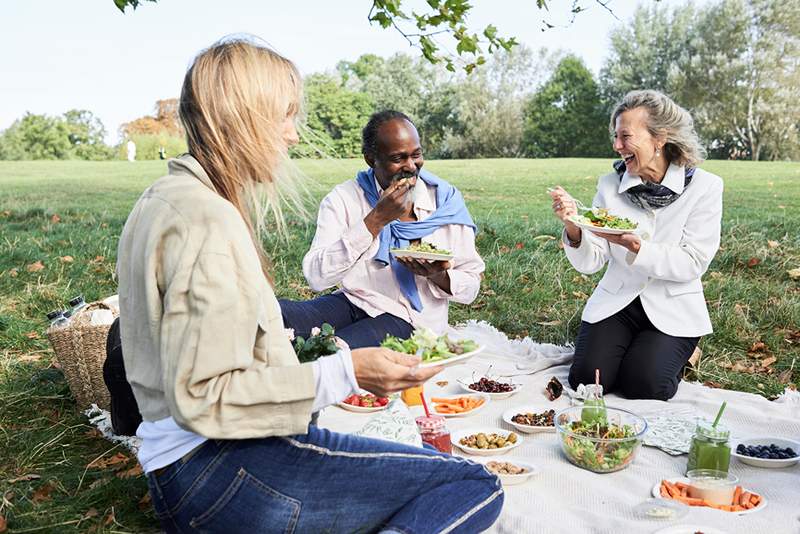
point(450, 209)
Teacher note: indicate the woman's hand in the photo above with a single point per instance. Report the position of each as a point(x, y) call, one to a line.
point(630, 241)
point(383, 372)
point(564, 207)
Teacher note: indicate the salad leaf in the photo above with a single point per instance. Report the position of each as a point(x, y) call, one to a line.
point(601, 218)
point(434, 348)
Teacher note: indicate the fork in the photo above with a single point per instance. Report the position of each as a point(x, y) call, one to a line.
point(578, 204)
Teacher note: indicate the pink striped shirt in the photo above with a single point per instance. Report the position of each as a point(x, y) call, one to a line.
point(342, 251)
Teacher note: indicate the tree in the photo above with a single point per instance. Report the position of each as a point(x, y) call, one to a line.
point(335, 117)
point(37, 137)
point(443, 17)
point(566, 117)
point(165, 121)
point(86, 135)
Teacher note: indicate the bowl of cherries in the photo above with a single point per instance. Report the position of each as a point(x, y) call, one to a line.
point(494, 388)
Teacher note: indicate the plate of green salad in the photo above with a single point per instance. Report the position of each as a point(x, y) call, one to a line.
point(423, 251)
point(434, 350)
point(601, 221)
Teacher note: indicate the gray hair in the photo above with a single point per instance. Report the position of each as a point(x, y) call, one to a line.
point(668, 120)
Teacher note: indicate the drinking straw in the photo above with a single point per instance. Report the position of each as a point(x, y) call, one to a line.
point(424, 404)
point(719, 414)
point(597, 377)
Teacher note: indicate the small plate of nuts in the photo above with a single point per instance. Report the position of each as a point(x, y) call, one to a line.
point(530, 418)
point(486, 441)
point(513, 471)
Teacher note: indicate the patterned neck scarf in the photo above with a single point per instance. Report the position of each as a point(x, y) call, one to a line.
point(649, 195)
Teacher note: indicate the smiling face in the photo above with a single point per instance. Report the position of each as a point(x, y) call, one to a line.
point(398, 155)
point(637, 146)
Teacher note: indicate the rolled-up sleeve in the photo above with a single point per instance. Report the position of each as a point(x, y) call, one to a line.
point(465, 274)
point(336, 246)
point(213, 383)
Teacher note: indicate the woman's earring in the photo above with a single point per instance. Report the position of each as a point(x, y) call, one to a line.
point(658, 152)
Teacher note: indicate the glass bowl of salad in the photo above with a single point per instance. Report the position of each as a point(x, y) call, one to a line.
point(600, 439)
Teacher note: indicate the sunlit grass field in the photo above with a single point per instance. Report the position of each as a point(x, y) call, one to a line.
point(59, 226)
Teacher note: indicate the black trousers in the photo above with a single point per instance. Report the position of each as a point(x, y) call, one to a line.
point(635, 359)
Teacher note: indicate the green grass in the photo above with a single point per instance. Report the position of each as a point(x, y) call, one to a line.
point(49, 210)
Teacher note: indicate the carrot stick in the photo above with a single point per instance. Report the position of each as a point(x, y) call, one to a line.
point(673, 491)
point(736, 494)
point(755, 499)
point(744, 498)
point(681, 485)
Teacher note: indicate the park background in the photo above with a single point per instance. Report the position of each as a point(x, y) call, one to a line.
point(528, 118)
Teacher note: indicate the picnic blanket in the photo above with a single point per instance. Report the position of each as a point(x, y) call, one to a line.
point(564, 498)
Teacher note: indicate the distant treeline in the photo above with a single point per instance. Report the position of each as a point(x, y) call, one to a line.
point(735, 64)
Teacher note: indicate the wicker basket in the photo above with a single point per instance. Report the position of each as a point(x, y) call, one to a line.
point(80, 349)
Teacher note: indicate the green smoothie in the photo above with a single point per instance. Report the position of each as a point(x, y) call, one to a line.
point(594, 407)
point(709, 448)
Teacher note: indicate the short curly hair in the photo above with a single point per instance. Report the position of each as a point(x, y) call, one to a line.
point(369, 135)
point(668, 119)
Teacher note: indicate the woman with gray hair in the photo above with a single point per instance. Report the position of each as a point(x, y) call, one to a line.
point(644, 320)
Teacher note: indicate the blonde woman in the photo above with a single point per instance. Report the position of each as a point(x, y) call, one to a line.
point(646, 316)
point(227, 440)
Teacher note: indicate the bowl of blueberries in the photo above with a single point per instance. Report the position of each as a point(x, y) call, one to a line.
point(768, 452)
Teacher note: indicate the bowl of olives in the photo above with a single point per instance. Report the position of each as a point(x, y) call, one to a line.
point(486, 441)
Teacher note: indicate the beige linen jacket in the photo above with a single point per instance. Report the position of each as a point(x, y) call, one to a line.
point(202, 332)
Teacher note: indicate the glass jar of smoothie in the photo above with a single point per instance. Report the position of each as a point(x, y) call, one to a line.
point(594, 407)
point(434, 433)
point(709, 448)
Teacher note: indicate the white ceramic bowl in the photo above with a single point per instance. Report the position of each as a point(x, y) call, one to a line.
point(432, 404)
point(511, 480)
point(456, 439)
point(528, 429)
point(465, 381)
point(766, 462)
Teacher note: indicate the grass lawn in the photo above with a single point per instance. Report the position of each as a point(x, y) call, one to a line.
point(68, 216)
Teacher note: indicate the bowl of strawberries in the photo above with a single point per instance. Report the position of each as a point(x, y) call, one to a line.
point(364, 403)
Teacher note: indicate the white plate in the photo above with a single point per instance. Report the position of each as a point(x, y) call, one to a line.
point(690, 529)
point(465, 381)
point(600, 230)
point(432, 404)
point(455, 360)
point(361, 409)
point(401, 253)
point(528, 429)
point(765, 462)
point(763, 504)
point(511, 480)
point(456, 437)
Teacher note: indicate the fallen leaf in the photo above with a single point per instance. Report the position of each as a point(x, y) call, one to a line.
point(785, 376)
point(105, 463)
point(13, 273)
point(3, 524)
point(769, 361)
point(758, 350)
point(794, 274)
point(98, 259)
point(519, 246)
point(726, 365)
point(93, 433)
point(24, 478)
point(503, 250)
point(109, 518)
point(90, 513)
point(549, 323)
point(32, 335)
point(580, 294)
point(35, 267)
point(6, 213)
point(773, 244)
point(715, 275)
point(43, 493)
point(134, 471)
point(739, 367)
point(144, 503)
point(712, 384)
point(67, 259)
point(55, 219)
point(752, 262)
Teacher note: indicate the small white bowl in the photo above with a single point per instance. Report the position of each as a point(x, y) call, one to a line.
point(512, 480)
point(465, 381)
point(456, 439)
point(432, 404)
point(766, 462)
point(528, 429)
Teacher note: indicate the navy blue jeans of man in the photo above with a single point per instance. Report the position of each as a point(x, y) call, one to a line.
point(351, 323)
point(323, 482)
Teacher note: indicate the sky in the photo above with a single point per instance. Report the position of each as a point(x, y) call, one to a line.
point(58, 55)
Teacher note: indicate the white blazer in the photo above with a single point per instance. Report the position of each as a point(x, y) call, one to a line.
point(678, 243)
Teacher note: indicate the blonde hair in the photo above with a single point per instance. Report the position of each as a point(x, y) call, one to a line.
point(235, 99)
point(665, 119)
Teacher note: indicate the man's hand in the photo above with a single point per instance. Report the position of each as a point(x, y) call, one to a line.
point(383, 372)
point(433, 270)
point(630, 241)
point(393, 204)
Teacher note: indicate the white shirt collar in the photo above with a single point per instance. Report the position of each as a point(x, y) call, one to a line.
point(674, 179)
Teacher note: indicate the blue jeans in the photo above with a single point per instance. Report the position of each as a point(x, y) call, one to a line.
point(323, 482)
point(352, 324)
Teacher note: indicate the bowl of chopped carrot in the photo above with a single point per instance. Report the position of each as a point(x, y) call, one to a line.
point(711, 489)
point(458, 405)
